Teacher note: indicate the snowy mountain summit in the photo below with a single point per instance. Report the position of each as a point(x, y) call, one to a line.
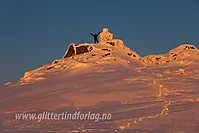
point(109, 54)
point(87, 57)
point(155, 93)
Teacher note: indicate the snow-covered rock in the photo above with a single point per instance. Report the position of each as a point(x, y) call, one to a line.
point(86, 56)
point(74, 49)
point(112, 53)
point(182, 55)
point(105, 35)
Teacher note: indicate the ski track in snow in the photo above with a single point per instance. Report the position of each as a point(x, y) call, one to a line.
point(160, 97)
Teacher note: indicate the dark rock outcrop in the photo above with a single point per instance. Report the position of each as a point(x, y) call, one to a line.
point(74, 49)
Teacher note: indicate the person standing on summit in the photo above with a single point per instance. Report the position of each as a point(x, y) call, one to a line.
point(95, 37)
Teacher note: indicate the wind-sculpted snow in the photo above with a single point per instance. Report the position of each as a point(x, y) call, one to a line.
point(93, 56)
point(110, 53)
point(156, 93)
point(182, 55)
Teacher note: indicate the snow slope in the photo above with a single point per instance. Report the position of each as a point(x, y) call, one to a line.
point(156, 93)
point(103, 56)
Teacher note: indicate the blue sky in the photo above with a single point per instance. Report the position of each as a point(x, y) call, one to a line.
point(36, 32)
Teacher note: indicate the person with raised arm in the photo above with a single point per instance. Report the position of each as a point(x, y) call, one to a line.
point(95, 37)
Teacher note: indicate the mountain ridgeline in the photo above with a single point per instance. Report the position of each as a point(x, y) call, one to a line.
point(114, 52)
